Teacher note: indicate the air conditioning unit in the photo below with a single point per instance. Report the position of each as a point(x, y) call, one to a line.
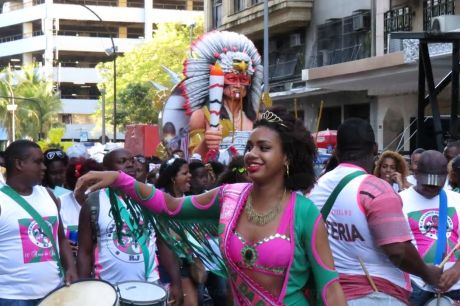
point(361, 22)
point(446, 23)
point(394, 45)
point(295, 40)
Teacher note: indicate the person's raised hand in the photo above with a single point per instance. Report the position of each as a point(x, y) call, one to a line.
point(397, 178)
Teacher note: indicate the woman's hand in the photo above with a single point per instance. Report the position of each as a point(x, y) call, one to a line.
point(396, 177)
point(94, 180)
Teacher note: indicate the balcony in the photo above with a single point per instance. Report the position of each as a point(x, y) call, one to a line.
point(79, 106)
point(285, 16)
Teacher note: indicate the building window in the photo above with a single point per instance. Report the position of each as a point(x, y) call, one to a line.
point(397, 20)
point(66, 118)
point(216, 13)
point(254, 2)
point(434, 8)
point(238, 5)
point(343, 39)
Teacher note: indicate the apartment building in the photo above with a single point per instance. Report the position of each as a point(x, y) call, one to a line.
point(67, 38)
point(347, 61)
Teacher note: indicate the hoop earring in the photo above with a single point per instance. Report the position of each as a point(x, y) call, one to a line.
point(287, 169)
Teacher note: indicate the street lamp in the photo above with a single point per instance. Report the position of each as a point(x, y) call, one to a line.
point(113, 52)
point(110, 52)
point(102, 90)
point(12, 108)
point(191, 27)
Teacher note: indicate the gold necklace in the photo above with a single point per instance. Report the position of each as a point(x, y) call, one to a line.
point(262, 219)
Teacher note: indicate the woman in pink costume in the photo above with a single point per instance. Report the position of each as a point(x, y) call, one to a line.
point(273, 240)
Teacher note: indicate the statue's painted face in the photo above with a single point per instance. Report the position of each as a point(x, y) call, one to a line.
point(232, 78)
point(235, 92)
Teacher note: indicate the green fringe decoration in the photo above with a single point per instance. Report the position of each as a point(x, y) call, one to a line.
point(190, 238)
point(186, 238)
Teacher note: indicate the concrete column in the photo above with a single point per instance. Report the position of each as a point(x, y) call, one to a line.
point(310, 113)
point(405, 106)
point(122, 32)
point(381, 112)
point(148, 19)
point(47, 28)
point(27, 29)
point(208, 15)
point(382, 6)
point(189, 5)
point(27, 58)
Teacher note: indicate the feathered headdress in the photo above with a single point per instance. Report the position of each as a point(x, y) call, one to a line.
point(224, 48)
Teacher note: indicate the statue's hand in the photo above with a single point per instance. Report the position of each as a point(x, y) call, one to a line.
point(213, 137)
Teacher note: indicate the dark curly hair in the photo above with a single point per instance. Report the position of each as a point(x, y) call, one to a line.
point(235, 173)
point(78, 167)
point(298, 146)
point(168, 172)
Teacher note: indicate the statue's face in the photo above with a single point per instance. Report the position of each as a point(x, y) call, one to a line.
point(236, 85)
point(232, 78)
point(235, 92)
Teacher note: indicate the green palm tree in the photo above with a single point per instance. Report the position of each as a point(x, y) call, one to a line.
point(7, 86)
point(37, 103)
point(41, 103)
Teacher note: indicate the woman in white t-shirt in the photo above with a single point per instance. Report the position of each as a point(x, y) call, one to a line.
point(70, 207)
point(392, 167)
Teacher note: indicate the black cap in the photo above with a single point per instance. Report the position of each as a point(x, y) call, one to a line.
point(355, 134)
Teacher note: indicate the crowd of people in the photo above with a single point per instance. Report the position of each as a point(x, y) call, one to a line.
point(371, 229)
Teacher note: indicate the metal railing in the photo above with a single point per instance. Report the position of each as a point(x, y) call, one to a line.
point(84, 33)
point(13, 6)
point(20, 36)
point(169, 6)
point(396, 20)
point(76, 97)
point(436, 8)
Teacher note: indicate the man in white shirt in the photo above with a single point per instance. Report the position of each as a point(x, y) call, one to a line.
point(422, 209)
point(30, 255)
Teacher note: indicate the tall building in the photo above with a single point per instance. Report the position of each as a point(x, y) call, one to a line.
point(345, 62)
point(67, 40)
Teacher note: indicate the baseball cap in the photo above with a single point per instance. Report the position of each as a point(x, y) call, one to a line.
point(432, 169)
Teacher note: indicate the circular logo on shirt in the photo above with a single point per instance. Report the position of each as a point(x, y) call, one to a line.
point(429, 223)
point(126, 248)
point(37, 236)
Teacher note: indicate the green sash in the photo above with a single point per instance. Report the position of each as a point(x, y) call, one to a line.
point(134, 228)
point(36, 216)
point(335, 193)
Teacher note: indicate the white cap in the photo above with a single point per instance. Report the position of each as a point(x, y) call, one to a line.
point(77, 150)
point(196, 156)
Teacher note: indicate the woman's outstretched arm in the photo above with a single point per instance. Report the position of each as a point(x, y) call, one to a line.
point(147, 195)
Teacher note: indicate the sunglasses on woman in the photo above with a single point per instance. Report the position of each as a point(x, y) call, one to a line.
point(52, 154)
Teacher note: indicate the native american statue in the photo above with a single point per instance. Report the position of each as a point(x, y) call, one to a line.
point(218, 98)
point(222, 88)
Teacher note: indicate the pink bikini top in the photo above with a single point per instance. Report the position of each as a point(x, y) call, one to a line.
point(270, 255)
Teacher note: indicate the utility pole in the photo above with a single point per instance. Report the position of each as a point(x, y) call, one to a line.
point(103, 115)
